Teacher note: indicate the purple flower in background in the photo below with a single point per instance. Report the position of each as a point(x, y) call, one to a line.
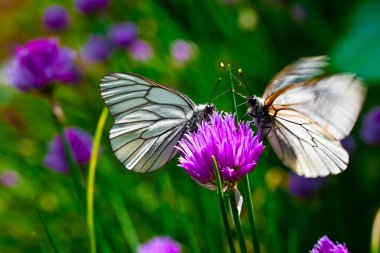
point(325, 245)
point(235, 149)
point(81, 145)
point(88, 6)
point(304, 187)
point(56, 17)
point(370, 130)
point(181, 51)
point(298, 14)
point(349, 144)
point(123, 34)
point(9, 178)
point(162, 244)
point(97, 48)
point(141, 50)
point(41, 62)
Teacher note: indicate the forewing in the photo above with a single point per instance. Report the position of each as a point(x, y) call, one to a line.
point(149, 120)
point(310, 119)
point(300, 71)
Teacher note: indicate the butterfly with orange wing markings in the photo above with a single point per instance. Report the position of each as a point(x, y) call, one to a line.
point(305, 114)
point(150, 119)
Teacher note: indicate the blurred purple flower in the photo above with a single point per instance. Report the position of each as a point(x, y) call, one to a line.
point(80, 143)
point(181, 51)
point(123, 34)
point(56, 17)
point(162, 244)
point(41, 62)
point(325, 245)
point(370, 130)
point(304, 187)
point(141, 50)
point(97, 48)
point(235, 149)
point(349, 144)
point(298, 13)
point(9, 178)
point(88, 6)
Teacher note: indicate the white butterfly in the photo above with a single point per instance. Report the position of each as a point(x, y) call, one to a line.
point(306, 114)
point(150, 119)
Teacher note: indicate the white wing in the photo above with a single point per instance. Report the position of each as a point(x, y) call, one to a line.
point(149, 120)
point(310, 119)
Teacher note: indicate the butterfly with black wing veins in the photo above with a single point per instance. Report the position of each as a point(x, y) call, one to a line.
point(305, 114)
point(150, 119)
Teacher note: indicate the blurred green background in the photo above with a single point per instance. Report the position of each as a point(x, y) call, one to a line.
point(261, 37)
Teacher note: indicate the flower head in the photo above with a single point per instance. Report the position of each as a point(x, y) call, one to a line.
point(88, 6)
point(123, 34)
point(80, 143)
point(325, 245)
point(162, 244)
point(97, 48)
point(9, 178)
point(181, 51)
point(40, 63)
point(304, 187)
point(56, 17)
point(141, 50)
point(235, 149)
point(370, 130)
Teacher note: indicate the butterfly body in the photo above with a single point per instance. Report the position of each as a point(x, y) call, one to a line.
point(150, 119)
point(305, 114)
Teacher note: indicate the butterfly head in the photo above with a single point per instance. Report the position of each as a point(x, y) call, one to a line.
point(254, 105)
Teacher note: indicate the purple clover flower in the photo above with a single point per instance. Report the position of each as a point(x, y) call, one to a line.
point(370, 130)
point(97, 48)
point(349, 144)
point(81, 145)
point(41, 62)
point(9, 178)
point(304, 187)
point(88, 6)
point(235, 149)
point(325, 245)
point(123, 34)
point(56, 17)
point(141, 50)
point(162, 244)
point(181, 51)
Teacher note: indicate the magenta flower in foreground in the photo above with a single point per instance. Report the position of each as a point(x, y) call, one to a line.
point(235, 149)
point(81, 145)
point(39, 63)
point(162, 244)
point(325, 245)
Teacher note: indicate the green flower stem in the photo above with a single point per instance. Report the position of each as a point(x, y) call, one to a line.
point(223, 208)
point(236, 217)
point(49, 234)
point(91, 179)
point(246, 187)
point(72, 163)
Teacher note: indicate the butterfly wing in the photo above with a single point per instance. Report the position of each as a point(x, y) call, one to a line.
point(300, 71)
point(310, 118)
point(149, 120)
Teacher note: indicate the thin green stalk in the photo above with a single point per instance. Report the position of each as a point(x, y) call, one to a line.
point(91, 179)
point(47, 230)
point(292, 241)
point(72, 163)
point(223, 207)
point(236, 217)
point(246, 187)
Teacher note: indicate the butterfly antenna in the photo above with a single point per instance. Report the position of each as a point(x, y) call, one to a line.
point(216, 86)
point(244, 82)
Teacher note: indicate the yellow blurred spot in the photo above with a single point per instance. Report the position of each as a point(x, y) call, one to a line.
point(27, 147)
point(3, 205)
point(375, 242)
point(274, 177)
point(248, 19)
point(48, 202)
point(259, 197)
